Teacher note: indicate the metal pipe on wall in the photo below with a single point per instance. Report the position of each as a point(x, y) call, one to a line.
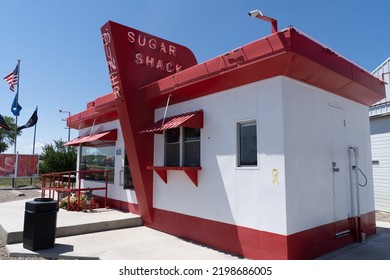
point(355, 168)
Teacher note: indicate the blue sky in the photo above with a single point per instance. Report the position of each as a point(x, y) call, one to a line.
point(63, 63)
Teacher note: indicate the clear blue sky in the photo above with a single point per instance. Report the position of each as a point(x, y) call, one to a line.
point(63, 63)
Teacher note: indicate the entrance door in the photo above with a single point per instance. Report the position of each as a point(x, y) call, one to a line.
point(340, 173)
point(127, 179)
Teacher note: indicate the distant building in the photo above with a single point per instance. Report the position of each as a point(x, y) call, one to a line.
point(380, 141)
point(258, 151)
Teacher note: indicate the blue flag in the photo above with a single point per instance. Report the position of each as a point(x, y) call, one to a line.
point(15, 108)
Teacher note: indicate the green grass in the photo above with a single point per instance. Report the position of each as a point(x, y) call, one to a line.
point(20, 182)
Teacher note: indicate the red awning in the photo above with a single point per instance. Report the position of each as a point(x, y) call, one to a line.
point(191, 119)
point(95, 139)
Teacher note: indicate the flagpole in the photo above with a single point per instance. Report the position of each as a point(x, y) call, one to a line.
point(35, 131)
point(17, 102)
point(16, 124)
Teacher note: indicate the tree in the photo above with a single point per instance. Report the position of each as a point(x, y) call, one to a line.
point(7, 137)
point(57, 157)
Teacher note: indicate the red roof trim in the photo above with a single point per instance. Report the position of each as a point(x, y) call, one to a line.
point(286, 53)
point(190, 119)
point(101, 110)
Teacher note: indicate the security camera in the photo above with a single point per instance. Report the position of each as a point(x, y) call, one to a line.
point(255, 13)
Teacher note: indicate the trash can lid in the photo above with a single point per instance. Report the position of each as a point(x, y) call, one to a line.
point(43, 199)
point(43, 204)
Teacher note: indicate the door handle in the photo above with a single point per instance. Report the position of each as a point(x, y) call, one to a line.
point(121, 177)
point(335, 169)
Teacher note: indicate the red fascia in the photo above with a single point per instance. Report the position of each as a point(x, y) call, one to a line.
point(100, 110)
point(287, 53)
point(105, 103)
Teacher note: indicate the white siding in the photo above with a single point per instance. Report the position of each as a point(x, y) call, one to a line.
point(380, 142)
point(382, 106)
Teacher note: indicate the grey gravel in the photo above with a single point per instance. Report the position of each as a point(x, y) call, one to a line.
point(9, 194)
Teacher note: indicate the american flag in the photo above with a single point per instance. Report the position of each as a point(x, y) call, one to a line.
point(12, 78)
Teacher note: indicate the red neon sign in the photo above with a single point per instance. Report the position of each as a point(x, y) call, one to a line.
point(136, 59)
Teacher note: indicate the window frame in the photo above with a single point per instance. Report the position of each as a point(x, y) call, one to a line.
point(172, 144)
point(239, 162)
point(125, 177)
point(182, 145)
point(83, 163)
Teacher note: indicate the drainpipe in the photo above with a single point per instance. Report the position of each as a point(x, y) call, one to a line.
point(355, 168)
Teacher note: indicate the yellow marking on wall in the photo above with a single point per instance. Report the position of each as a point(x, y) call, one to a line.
point(275, 177)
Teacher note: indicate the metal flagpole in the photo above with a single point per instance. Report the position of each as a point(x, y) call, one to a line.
point(35, 133)
point(16, 125)
point(17, 102)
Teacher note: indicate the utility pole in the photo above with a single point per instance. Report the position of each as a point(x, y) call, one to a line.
point(66, 112)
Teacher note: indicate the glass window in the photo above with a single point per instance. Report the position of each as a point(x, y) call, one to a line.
point(172, 147)
point(182, 146)
point(98, 158)
point(127, 178)
point(191, 148)
point(247, 144)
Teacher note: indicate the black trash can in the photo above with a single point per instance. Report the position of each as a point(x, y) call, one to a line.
point(40, 222)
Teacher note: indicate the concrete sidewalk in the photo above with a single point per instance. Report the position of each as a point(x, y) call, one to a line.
point(376, 247)
point(113, 235)
point(138, 243)
point(105, 234)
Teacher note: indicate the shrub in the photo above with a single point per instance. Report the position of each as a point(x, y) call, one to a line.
point(73, 202)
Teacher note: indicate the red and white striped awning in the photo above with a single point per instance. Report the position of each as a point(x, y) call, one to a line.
point(94, 139)
point(191, 119)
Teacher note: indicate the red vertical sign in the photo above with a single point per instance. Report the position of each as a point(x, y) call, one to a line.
point(135, 59)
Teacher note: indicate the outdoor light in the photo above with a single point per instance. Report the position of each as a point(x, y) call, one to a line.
point(255, 13)
point(66, 112)
point(258, 14)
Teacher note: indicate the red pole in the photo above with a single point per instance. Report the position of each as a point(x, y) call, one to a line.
point(105, 196)
point(273, 22)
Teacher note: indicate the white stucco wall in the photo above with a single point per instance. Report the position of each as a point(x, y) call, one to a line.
point(301, 130)
point(319, 128)
point(227, 193)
